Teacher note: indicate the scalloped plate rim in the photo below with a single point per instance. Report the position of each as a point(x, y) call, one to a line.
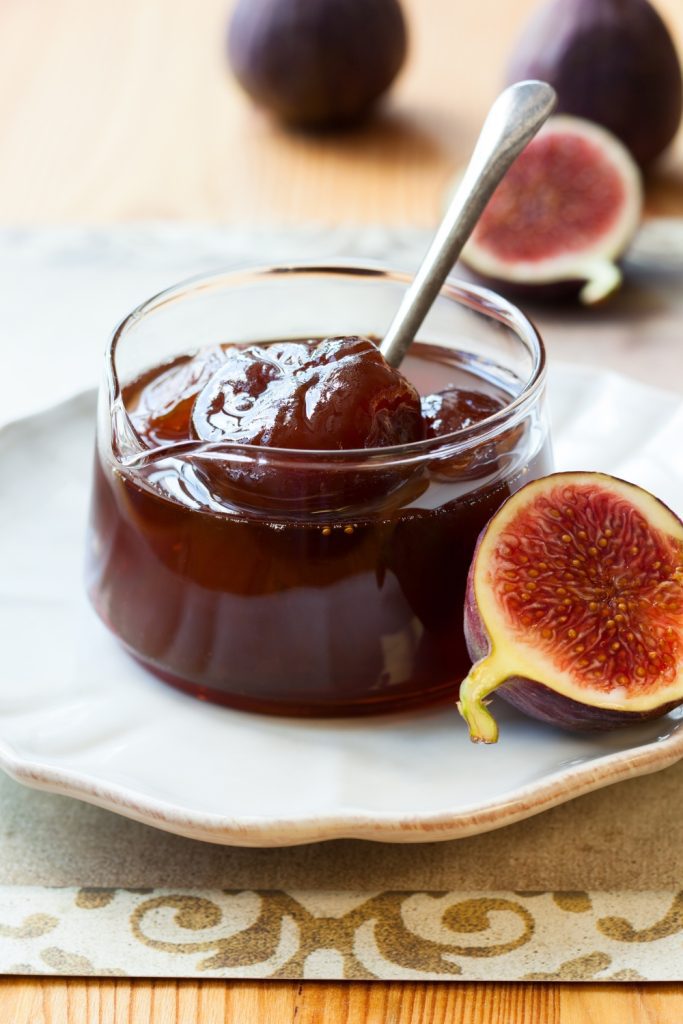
point(377, 826)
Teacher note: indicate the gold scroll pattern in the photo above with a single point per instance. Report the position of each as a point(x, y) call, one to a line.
point(414, 933)
point(570, 936)
point(390, 934)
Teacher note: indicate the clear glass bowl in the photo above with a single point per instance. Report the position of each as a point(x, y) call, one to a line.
point(297, 582)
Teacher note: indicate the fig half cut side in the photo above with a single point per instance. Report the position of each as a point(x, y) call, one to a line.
point(574, 607)
point(563, 215)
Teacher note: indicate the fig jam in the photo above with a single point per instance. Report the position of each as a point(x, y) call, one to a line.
point(253, 560)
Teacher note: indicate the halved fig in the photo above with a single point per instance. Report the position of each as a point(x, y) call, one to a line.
point(564, 214)
point(574, 607)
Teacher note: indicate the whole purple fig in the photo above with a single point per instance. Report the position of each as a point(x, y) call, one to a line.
point(611, 61)
point(317, 63)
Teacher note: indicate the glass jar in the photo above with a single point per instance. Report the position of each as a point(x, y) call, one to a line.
point(308, 582)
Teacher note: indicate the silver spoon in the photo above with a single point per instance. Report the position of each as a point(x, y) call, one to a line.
point(512, 122)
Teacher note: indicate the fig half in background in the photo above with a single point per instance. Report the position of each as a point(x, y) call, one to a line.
point(611, 61)
point(574, 608)
point(562, 216)
point(317, 63)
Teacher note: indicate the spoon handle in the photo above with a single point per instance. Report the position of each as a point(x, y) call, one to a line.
point(512, 122)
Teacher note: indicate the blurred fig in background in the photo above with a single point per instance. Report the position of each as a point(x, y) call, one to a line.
point(317, 63)
point(611, 61)
point(562, 216)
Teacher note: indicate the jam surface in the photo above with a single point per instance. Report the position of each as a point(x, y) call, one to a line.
point(337, 394)
point(284, 587)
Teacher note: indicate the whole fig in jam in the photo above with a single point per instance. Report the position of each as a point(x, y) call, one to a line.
point(574, 608)
point(336, 394)
point(456, 409)
point(317, 63)
point(612, 62)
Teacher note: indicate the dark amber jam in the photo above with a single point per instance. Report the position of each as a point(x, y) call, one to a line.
point(308, 582)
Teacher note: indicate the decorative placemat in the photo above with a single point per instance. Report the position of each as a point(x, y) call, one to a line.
point(323, 935)
point(588, 890)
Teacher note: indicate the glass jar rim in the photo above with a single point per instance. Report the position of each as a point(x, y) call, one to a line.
point(476, 298)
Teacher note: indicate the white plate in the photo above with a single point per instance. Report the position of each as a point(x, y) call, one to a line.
point(77, 716)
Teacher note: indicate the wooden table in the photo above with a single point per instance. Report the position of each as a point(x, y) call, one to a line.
point(123, 111)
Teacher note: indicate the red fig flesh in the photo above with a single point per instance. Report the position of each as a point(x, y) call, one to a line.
point(611, 61)
point(574, 609)
point(565, 212)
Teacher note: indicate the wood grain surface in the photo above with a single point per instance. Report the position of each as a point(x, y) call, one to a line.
point(125, 111)
point(212, 1002)
point(113, 111)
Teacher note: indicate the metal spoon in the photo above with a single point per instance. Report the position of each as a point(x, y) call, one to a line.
point(512, 122)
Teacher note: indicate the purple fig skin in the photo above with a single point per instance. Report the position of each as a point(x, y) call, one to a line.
point(539, 701)
point(477, 638)
point(544, 293)
point(612, 62)
point(317, 63)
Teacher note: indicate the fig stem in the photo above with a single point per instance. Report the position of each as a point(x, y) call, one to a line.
point(511, 124)
point(484, 677)
point(602, 278)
